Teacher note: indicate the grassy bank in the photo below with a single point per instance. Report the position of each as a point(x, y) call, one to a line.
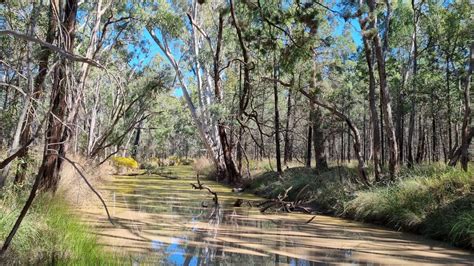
point(433, 200)
point(50, 233)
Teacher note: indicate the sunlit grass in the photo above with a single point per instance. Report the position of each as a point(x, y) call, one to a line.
point(435, 199)
point(50, 233)
point(431, 199)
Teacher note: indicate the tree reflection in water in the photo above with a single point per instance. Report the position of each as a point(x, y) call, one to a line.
point(164, 221)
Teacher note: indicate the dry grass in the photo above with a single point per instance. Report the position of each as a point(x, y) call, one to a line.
point(203, 166)
point(75, 189)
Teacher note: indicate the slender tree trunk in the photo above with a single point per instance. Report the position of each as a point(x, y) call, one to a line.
point(308, 144)
point(421, 141)
point(382, 136)
point(241, 129)
point(348, 145)
point(276, 116)
point(355, 133)
point(23, 129)
point(385, 98)
point(343, 153)
point(286, 138)
point(448, 103)
point(231, 171)
point(213, 146)
point(364, 137)
point(400, 125)
point(411, 125)
point(136, 141)
point(467, 129)
point(16, 139)
point(93, 121)
point(372, 105)
point(434, 139)
point(466, 141)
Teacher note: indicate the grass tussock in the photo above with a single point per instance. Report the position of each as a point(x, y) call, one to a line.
point(204, 167)
point(49, 234)
point(434, 200)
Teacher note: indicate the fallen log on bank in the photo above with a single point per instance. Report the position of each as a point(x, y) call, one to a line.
point(282, 204)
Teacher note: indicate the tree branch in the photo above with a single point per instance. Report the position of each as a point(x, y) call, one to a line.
point(90, 186)
point(52, 47)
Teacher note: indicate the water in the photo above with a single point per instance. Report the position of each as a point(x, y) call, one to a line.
point(165, 221)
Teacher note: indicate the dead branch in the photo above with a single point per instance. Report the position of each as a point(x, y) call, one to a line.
point(281, 204)
point(200, 186)
point(310, 220)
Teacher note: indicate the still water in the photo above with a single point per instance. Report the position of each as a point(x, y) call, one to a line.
point(159, 220)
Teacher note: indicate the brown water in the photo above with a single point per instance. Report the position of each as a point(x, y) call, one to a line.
point(163, 221)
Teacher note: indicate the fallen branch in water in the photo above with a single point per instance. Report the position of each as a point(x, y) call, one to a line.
point(281, 204)
point(310, 220)
point(200, 186)
point(134, 174)
point(240, 202)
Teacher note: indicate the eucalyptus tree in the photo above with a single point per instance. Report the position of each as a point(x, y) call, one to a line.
point(181, 30)
point(386, 107)
point(22, 72)
point(306, 42)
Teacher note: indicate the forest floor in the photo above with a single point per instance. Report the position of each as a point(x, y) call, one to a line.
point(433, 200)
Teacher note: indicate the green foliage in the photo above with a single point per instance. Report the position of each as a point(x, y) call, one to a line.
point(50, 233)
point(163, 15)
point(452, 222)
point(463, 230)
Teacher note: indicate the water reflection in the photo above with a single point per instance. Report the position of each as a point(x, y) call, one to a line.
point(163, 221)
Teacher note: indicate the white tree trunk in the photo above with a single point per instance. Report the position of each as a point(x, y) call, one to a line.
point(203, 129)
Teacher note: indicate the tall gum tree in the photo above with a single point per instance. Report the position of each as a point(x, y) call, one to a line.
point(211, 130)
point(386, 105)
point(54, 143)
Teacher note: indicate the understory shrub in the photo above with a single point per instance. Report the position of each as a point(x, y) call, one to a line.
point(124, 162)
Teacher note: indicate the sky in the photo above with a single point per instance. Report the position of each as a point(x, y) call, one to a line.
point(153, 49)
point(143, 59)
